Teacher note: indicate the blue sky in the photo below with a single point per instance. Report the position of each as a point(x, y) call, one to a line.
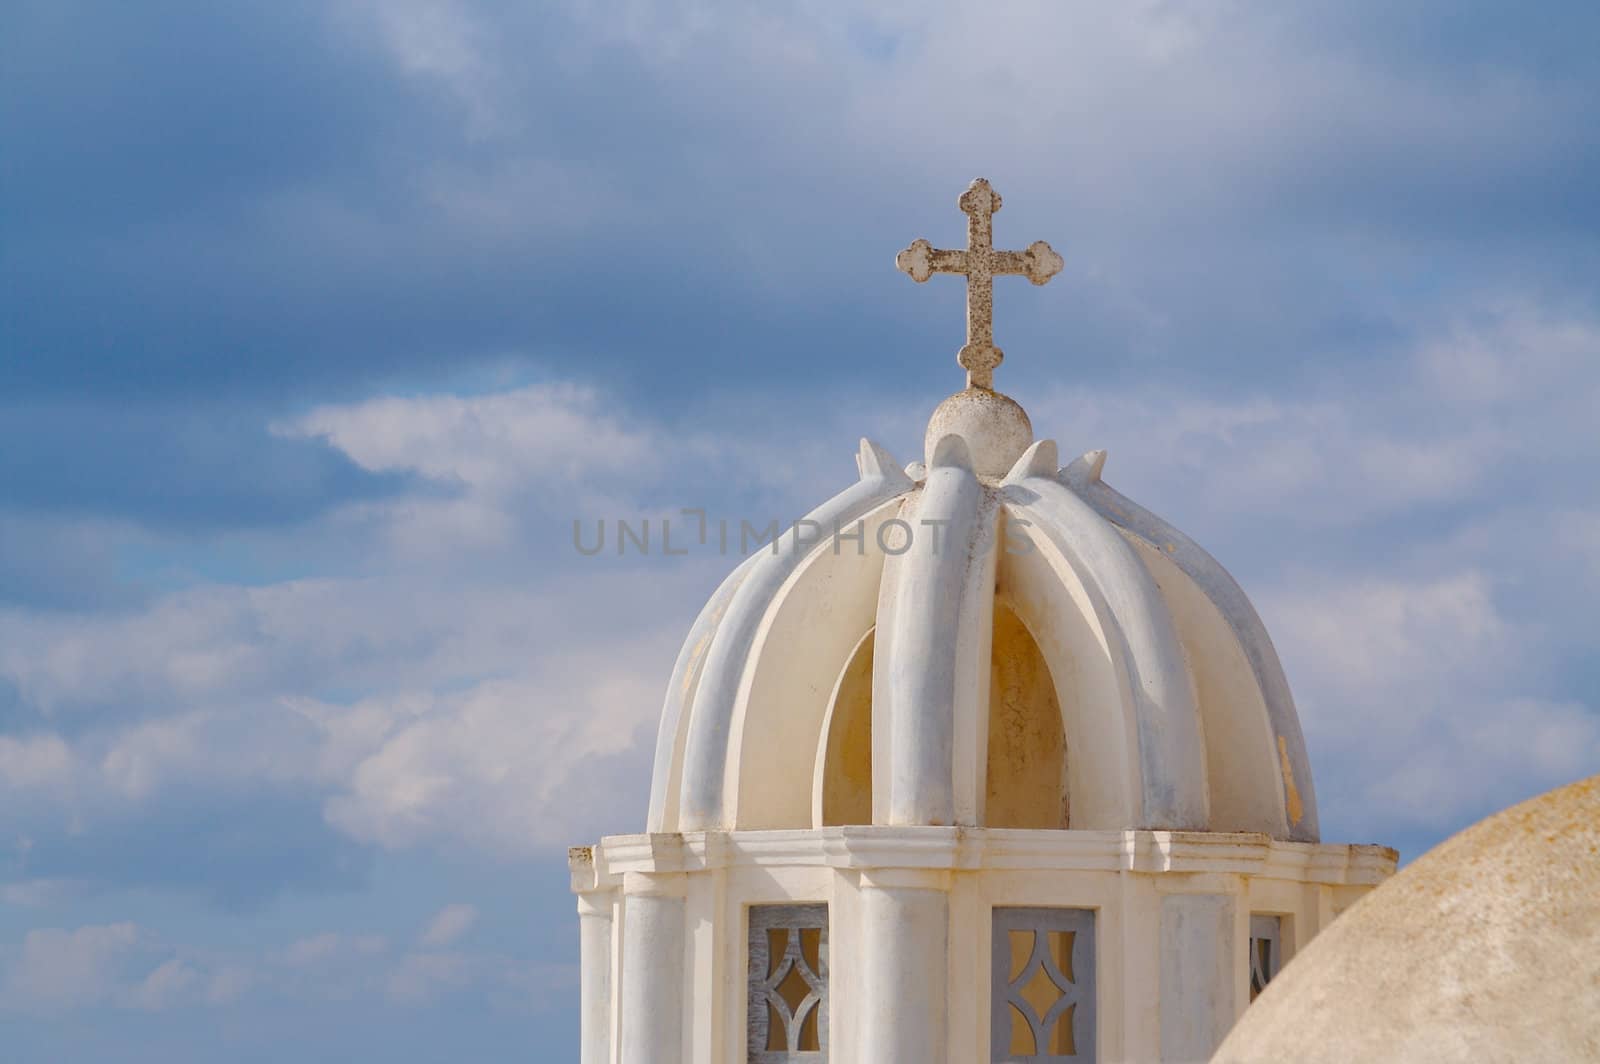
point(321, 322)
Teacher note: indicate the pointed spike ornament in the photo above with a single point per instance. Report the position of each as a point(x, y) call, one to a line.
point(1039, 460)
point(981, 263)
point(874, 462)
point(1084, 470)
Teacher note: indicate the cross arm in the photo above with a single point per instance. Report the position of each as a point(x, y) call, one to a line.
point(922, 260)
point(1038, 263)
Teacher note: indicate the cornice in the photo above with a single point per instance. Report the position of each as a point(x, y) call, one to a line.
point(953, 849)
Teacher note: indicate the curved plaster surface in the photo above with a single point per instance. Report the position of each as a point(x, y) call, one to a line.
point(666, 775)
point(1173, 790)
point(1082, 647)
point(815, 621)
point(1174, 707)
point(702, 802)
point(841, 778)
point(931, 663)
point(994, 427)
point(1487, 948)
point(1298, 796)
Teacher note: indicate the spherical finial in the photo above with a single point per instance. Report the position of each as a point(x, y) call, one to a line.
point(995, 426)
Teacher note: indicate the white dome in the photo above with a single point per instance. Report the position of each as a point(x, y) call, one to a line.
point(1028, 650)
point(1486, 948)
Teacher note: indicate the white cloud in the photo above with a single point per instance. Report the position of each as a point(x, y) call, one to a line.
point(1524, 360)
point(39, 893)
point(1401, 636)
point(1478, 756)
point(420, 977)
point(441, 43)
point(1421, 533)
point(59, 969)
point(509, 705)
point(485, 710)
point(511, 767)
point(449, 924)
point(320, 949)
point(228, 984)
point(499, 442)
point(491, 201)
point(1422, 650)
point(171, 983)
point(1576, 535)
point(1133, 116)
point(1415, 699)
point(35, 762)
point(496, 455)
point(55, 971)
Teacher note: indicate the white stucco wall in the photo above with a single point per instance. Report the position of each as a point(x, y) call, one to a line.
point(910, 925)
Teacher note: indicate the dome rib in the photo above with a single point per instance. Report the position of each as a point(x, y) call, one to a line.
point(1173, 704)
point(666, 776)
point(703, 801)
point(1218, 585)
point(931, 665)
point(804, 641)
point(1173, 791)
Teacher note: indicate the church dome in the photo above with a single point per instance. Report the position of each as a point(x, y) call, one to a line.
point(1487, 948)
point(979, 760)
point(948, 645)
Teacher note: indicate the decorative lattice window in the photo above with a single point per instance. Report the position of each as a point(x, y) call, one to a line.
point(788, 984)
point(1042, 994)
point(1266, 951)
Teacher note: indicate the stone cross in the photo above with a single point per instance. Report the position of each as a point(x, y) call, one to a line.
point(981, 263)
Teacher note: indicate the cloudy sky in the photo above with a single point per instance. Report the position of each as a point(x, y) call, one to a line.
point(320, 323)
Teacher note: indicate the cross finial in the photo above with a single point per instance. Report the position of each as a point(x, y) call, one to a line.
point(981, 263)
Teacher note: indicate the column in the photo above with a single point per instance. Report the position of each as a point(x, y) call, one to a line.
point(1197, 974)
point(651, 1004)
point(1134, 993)
point(594, 966)
point(904, 966)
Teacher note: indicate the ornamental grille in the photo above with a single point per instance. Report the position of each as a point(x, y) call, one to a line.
point(1042, 997)
point(788, 984)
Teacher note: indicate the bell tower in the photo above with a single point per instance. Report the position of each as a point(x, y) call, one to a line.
point(997, 766)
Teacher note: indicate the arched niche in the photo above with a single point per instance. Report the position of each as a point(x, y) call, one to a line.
point(780, 721)
point(843, 790)
point(1026, 775)
point(1027, 758)
point(1133, 730)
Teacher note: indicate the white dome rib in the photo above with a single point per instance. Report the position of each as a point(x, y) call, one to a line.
point(1293, 766)
point(813, 624)
point(1151, 668)
point(930, 681)
point(667, 775)
point(702, 802)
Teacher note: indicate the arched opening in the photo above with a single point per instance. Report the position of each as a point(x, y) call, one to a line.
point(1027, 770)
point(846, 783)
point(778, 721)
